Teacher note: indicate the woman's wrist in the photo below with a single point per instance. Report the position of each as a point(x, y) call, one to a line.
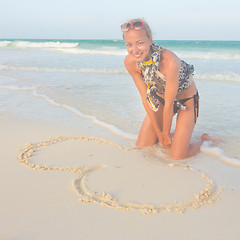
point(160, 136)
point(166, 133)
point(159, 133)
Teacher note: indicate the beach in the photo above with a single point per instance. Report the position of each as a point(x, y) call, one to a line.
point(70, 115)
point(43, 205)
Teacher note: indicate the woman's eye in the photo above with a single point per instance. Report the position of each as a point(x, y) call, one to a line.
point(140, 43)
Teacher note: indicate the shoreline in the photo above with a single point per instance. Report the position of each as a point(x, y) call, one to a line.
point(43, 205)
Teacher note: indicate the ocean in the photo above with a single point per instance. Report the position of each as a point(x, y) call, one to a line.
point(69, 80)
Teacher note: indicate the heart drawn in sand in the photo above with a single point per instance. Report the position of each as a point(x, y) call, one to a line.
point(207, 196)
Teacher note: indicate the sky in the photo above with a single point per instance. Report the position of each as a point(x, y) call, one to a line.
point(101, 19)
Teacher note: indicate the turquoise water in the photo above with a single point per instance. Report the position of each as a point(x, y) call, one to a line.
point(68, 80)
point(89, 75)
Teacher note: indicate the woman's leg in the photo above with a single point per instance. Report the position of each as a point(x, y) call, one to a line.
point(181, 147)
point(194, 148)
point(147, 135)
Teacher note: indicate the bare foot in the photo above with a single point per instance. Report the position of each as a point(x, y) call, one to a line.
point(206, 137)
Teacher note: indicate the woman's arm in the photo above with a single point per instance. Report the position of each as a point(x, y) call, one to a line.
point(171, 70)
point(134, 71)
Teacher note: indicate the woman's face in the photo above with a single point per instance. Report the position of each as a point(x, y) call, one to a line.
point(138, 44)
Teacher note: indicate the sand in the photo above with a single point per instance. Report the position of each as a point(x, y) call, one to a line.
point(66, 183)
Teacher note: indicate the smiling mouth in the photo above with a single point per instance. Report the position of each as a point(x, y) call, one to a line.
point(138, 55)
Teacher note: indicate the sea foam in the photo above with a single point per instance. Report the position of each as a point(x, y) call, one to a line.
point(209, 76)
point(91, 51)
point(73, 47)
point(209, 55)
point(65, 70)
point(219, 153)
point(28, 44)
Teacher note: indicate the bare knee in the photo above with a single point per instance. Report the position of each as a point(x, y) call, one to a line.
point(178, 155)
point(147, 136)
point(143, 143)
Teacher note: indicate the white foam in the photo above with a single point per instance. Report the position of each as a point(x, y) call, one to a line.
point(219, 153)
point(73, 47)
point(65, 47)
point(48, 44)
point(91, 51)
point(4, 43)
point(209, 55)
point(65, 70)
point(223, 76)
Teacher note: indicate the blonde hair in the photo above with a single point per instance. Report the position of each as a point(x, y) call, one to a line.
point(145, 26)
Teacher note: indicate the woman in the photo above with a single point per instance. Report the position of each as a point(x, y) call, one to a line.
point(166, 87)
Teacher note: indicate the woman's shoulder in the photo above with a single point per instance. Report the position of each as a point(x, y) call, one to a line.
point(169, 58)
point(131, 64)
point(129, 61)
point(168, 54)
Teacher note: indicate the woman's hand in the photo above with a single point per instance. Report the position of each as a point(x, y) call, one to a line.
point(167, 140)
point(160, 137)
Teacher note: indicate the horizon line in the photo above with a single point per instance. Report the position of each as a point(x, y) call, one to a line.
point(75, 39)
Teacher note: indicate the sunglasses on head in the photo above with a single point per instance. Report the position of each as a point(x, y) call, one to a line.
point(136, 25)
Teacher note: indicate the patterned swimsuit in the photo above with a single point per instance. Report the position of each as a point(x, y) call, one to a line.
point(156, 81)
